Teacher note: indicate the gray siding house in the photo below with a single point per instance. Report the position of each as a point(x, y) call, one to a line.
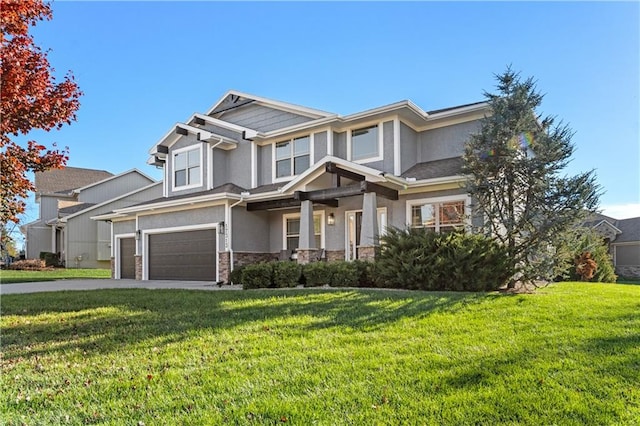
point(623, 238)
point(255, 179)
point(66, 198)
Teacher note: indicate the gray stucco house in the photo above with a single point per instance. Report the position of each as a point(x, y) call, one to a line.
point(623, 239)
point(67, 198)
point(255, 179)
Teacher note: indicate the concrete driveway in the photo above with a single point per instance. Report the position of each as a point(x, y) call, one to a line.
point(37, 287)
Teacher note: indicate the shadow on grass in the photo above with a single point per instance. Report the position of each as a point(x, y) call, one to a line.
point(111, 319)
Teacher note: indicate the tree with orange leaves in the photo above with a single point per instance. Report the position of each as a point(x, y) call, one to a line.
point(30, 99)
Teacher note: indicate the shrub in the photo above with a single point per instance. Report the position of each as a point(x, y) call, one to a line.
point(50, 259)
point(257, 275)
point(235, 277)
point(286, 274)
point(345, 274)
point(28, 265)
point(588, 241)
point(317, 274)
point(419, 259)
point(366, 272)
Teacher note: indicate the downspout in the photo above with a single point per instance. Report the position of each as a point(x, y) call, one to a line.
point(229, 227)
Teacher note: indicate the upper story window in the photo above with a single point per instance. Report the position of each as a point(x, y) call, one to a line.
point(187, 168)
point(438, 216)
point(365, 144)
point(292, 157)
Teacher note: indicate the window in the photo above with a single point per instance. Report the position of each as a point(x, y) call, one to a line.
point(292, 231)
point(292, 156)
point(444, 216)
point(187, 171)
point(365, 144)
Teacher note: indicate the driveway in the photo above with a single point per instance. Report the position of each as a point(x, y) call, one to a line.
point(37, 287)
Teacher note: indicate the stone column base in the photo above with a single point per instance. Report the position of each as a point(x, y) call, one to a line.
point(334, 255)
point(307, 256)
point(138, 260)
point(113, 268)
point(367, 253)
point(629, 271)
point(224, 266)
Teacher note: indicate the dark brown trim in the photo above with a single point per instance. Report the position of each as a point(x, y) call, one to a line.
point(161, 149)
point(181, 131)
point(285, 203)
point(334, 169)
point(380, 190)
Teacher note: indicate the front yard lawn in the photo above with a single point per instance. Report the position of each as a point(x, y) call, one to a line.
point(568, 354)
point(10, 277)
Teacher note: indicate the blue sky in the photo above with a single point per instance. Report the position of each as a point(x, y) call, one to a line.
point(144, 66)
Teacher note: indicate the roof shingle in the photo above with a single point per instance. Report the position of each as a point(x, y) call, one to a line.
point(64, 180)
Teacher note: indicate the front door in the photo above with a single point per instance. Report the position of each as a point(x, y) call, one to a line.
point(354, 227)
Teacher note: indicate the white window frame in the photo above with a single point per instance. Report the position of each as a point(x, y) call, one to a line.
point(286, 216)
point(380, 155)
point(437, 200)
point(174, 154)
point(274, 177)
point(381, 212)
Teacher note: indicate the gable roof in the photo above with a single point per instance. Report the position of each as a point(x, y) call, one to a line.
point(630, 230)
point(234, 98)
point(65, 180)
point(74, 209)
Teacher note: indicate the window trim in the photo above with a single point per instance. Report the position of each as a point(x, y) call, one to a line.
point(175, 153)
point(466, 222)
point(297, 216)
point(382, 229)
point(379, 156)
point(274, 178)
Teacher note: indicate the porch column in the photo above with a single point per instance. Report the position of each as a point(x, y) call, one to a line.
point(369, 229)
point(307, 243)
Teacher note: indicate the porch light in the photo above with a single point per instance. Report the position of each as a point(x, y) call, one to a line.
point(221, 228)
point(331, 219)
point(138, 233)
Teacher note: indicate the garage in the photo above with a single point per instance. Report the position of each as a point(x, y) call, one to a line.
point(127, 258)
point(187, 255)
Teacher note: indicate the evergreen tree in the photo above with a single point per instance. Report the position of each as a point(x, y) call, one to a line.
point(516, 163)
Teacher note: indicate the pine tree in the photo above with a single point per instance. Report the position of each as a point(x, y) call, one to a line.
point(516, 163)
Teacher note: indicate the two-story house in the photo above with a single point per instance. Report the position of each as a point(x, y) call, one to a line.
point(67, 198)
point(255, 179)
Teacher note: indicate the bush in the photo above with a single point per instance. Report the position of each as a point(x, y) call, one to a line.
point(29, 265)
point(419, 259)
point(366, 272)
point(50, 259)
point(257, 275)
point(286, 274)
point(345, 274)
point(317, 274)
point(589, 242)
point(235, 277)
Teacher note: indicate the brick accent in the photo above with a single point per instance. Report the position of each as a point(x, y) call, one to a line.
point(224, 266)
point(333, 255)
point(113, 268)
point(630, 271)
point(367, 253)
point(138, 259)
point(307, 256)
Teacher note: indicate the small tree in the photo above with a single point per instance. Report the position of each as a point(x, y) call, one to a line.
point(516, 162)
point(29, 99)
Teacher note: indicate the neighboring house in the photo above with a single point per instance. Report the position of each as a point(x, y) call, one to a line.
point(64, 196)
point(623, 238)
point(255, 179)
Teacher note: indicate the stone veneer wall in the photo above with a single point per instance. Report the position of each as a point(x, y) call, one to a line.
point(628, 271)
point(307, 256)
point(224, 266)
point(367, 253)
point(138, 259)
point(246, 258)
point(113, 268)
point(334, 255)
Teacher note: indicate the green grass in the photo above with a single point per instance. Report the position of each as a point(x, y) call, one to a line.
point(568, 354)
point(11, 277)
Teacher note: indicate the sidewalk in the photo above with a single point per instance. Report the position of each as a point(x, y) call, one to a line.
point(38, 287)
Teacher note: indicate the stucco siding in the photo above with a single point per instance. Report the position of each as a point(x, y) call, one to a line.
point(340, 145)
point(408, 147)
point(251, 231)
point(199, 216)
point(220, 170)
point(262, 118)
point(319, 146)
point(114, 188)
point(445, 142)
point(239, 165)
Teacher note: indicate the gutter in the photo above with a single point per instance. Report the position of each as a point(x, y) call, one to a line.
point(229, 230)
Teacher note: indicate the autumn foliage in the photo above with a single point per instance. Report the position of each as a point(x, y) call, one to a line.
point(585, 266)
point(30, 99)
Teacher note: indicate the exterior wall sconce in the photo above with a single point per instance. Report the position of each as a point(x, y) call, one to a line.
point(221, 228)
point(331, 219)
point(138, 233)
